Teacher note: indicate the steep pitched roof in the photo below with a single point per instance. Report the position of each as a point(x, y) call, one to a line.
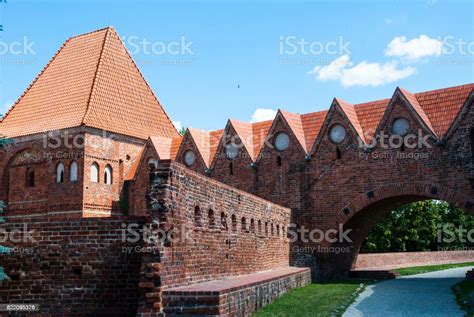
point(91, 81)
point(167, 148)
point(351, 114)
point(260, 132)
point(312, 124)
point(370, 114)
point(245, 132)
point(296, 125)
point(443, 105)
point(417, 107)
point(201, 139)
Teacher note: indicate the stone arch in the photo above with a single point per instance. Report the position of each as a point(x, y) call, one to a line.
point(368, 209)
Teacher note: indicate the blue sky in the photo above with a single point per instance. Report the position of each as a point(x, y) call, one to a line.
point(237, 57)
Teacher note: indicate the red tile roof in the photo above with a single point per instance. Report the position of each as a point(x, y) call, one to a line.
point(312, 124)
point(260, 133)
point(443, 105)
point(245, 132)
point(351, 114)
point(417, 107)
point(296, 124)
point(370, 114)
point(91, 81)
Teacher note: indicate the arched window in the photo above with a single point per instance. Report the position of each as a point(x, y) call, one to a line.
point(73, 172)
point(108, 175)
point(60, 173)
point(231, 168)
point(244, 224)
point(212, 219)
point(266, 228)
point(278, 230)
point(260, 227)
point(30, 177)
point(278, 161)
point(197, 216)
point(223, 221)
point(252, 225)
point(234, 223)
point(272, 229)
point(95, 172)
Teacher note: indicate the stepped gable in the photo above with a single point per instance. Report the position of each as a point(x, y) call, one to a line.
point(91, 81)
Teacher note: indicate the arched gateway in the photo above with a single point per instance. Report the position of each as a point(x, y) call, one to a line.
point(239, 192)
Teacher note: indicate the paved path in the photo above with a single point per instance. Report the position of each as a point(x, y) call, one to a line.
point(427, 294)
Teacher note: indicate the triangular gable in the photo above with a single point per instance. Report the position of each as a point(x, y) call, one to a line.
point(245, 133)
point(351, 114)
point(296, 125)
point(411, 98)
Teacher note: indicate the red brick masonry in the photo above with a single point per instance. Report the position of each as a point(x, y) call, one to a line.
point(239, 296)
point(387, 261)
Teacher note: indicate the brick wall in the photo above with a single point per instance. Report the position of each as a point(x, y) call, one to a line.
point(118, 152)
point(387, 261)
point(74, 267)
point(215, 246)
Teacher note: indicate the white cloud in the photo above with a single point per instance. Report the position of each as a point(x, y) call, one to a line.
point(413, 49)
point(178, 125)
point(262, 114)
point(362, 74)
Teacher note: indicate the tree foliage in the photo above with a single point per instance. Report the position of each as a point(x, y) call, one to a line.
point(429, 225)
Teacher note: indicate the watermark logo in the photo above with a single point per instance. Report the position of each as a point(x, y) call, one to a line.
point(137, 45)
point(23, 47)
point(293, 45)
point(18, 235)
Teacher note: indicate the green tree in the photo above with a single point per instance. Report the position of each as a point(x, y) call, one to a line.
point(419, 227)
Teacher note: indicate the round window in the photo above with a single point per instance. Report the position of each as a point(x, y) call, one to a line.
point(189, 158)
point(282, 141)
point(337, 134)
point(401, 126)
point(232, 151)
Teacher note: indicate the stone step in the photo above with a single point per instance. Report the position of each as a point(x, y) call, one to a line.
point(234, 296)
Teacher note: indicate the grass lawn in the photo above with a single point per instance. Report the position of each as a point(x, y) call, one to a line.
point(430, 268)
point(328, 299)
point(464, 292)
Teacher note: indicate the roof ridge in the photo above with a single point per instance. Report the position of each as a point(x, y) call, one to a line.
point(92, 32)
point(444, 89)
point(34, 80)
point(95, 75)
